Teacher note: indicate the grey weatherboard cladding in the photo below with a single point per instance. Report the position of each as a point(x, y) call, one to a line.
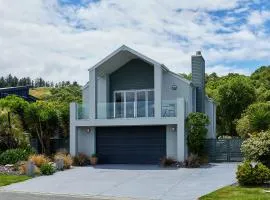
point(136, 74)
point(131, 144)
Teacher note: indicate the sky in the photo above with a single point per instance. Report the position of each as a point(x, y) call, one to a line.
point(60, 39)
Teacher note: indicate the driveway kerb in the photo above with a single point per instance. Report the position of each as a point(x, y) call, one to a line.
point(88, 197)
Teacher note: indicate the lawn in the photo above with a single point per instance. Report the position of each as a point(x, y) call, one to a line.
point(238, 193)
point(9, 179)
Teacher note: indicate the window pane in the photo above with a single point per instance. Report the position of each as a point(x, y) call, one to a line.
point(141, 104)
point(130, 100)
point(151, 109)
point(119, 104)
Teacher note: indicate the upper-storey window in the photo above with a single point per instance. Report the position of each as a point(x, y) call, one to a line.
point(134, 103)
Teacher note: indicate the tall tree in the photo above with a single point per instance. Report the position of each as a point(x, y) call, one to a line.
point(233, 98)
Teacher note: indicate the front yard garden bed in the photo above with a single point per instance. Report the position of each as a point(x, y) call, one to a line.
point(26, 162)
point(238, 193)
point(8, 169)
point(9, 179)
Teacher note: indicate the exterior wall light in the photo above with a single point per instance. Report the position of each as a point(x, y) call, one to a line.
point(173, 129)
point(174, 87)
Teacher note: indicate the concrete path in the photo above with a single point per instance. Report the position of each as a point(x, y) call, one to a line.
point(129, 182)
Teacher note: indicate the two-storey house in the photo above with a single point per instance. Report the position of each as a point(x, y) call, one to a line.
point(134, 109)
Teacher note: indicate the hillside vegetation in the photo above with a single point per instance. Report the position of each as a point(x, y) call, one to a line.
point(46, 118)
point(243, 104)
point(41, 93)
point(235, 95)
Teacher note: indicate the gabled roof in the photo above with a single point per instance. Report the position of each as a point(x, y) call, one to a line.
point(16, 88)
point(124, 48)
point(124, 54)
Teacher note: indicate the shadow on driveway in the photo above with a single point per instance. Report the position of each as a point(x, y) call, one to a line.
point(133, 167)
point(144, 167)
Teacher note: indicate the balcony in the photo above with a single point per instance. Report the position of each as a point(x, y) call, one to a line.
point(169, 108)
point(127, 110)
point(82, 111)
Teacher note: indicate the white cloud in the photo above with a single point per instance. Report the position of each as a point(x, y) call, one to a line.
point(223, 70)
point(258, 17)
point(44, 38)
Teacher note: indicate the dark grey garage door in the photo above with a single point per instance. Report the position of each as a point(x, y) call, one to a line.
point(131, 144)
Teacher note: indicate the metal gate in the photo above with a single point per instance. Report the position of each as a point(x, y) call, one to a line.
point(224, 150)
point(56, 144)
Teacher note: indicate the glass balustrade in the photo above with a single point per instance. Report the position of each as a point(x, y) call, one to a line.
point(82, 111)
point(125, 110)
point(168, 108)
point(138, 109)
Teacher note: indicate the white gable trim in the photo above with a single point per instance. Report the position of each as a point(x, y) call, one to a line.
point(143, 57)
point(125, 48)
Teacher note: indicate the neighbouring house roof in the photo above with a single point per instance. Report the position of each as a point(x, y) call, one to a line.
point(123, 55)
point(15, 88)
point(22, 91)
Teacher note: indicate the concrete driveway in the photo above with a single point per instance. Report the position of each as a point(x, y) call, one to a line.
point(130, 181)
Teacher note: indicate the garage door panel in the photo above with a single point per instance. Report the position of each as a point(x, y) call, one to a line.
point(131, 145)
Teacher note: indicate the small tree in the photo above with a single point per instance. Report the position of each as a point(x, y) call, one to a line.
point(196, 128)
point(16, 105)
point(11, 131)
point(43, 122)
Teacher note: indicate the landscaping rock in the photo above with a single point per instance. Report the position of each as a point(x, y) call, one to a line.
point(30, 169)
point(8, 170)
point(9, 165)
point(59, 164)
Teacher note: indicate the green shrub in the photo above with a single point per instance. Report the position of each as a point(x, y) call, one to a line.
point(244, 174)
point(257, 148)
point(196, 128)
point(81, 160)
point(12, 156)
point(243, 127)
point(252, 175)
point(261, 174)
point(256, 118)
point(47, 169)
point(259, 116)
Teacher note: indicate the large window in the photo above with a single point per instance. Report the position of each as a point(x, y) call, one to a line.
point(134, 103)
